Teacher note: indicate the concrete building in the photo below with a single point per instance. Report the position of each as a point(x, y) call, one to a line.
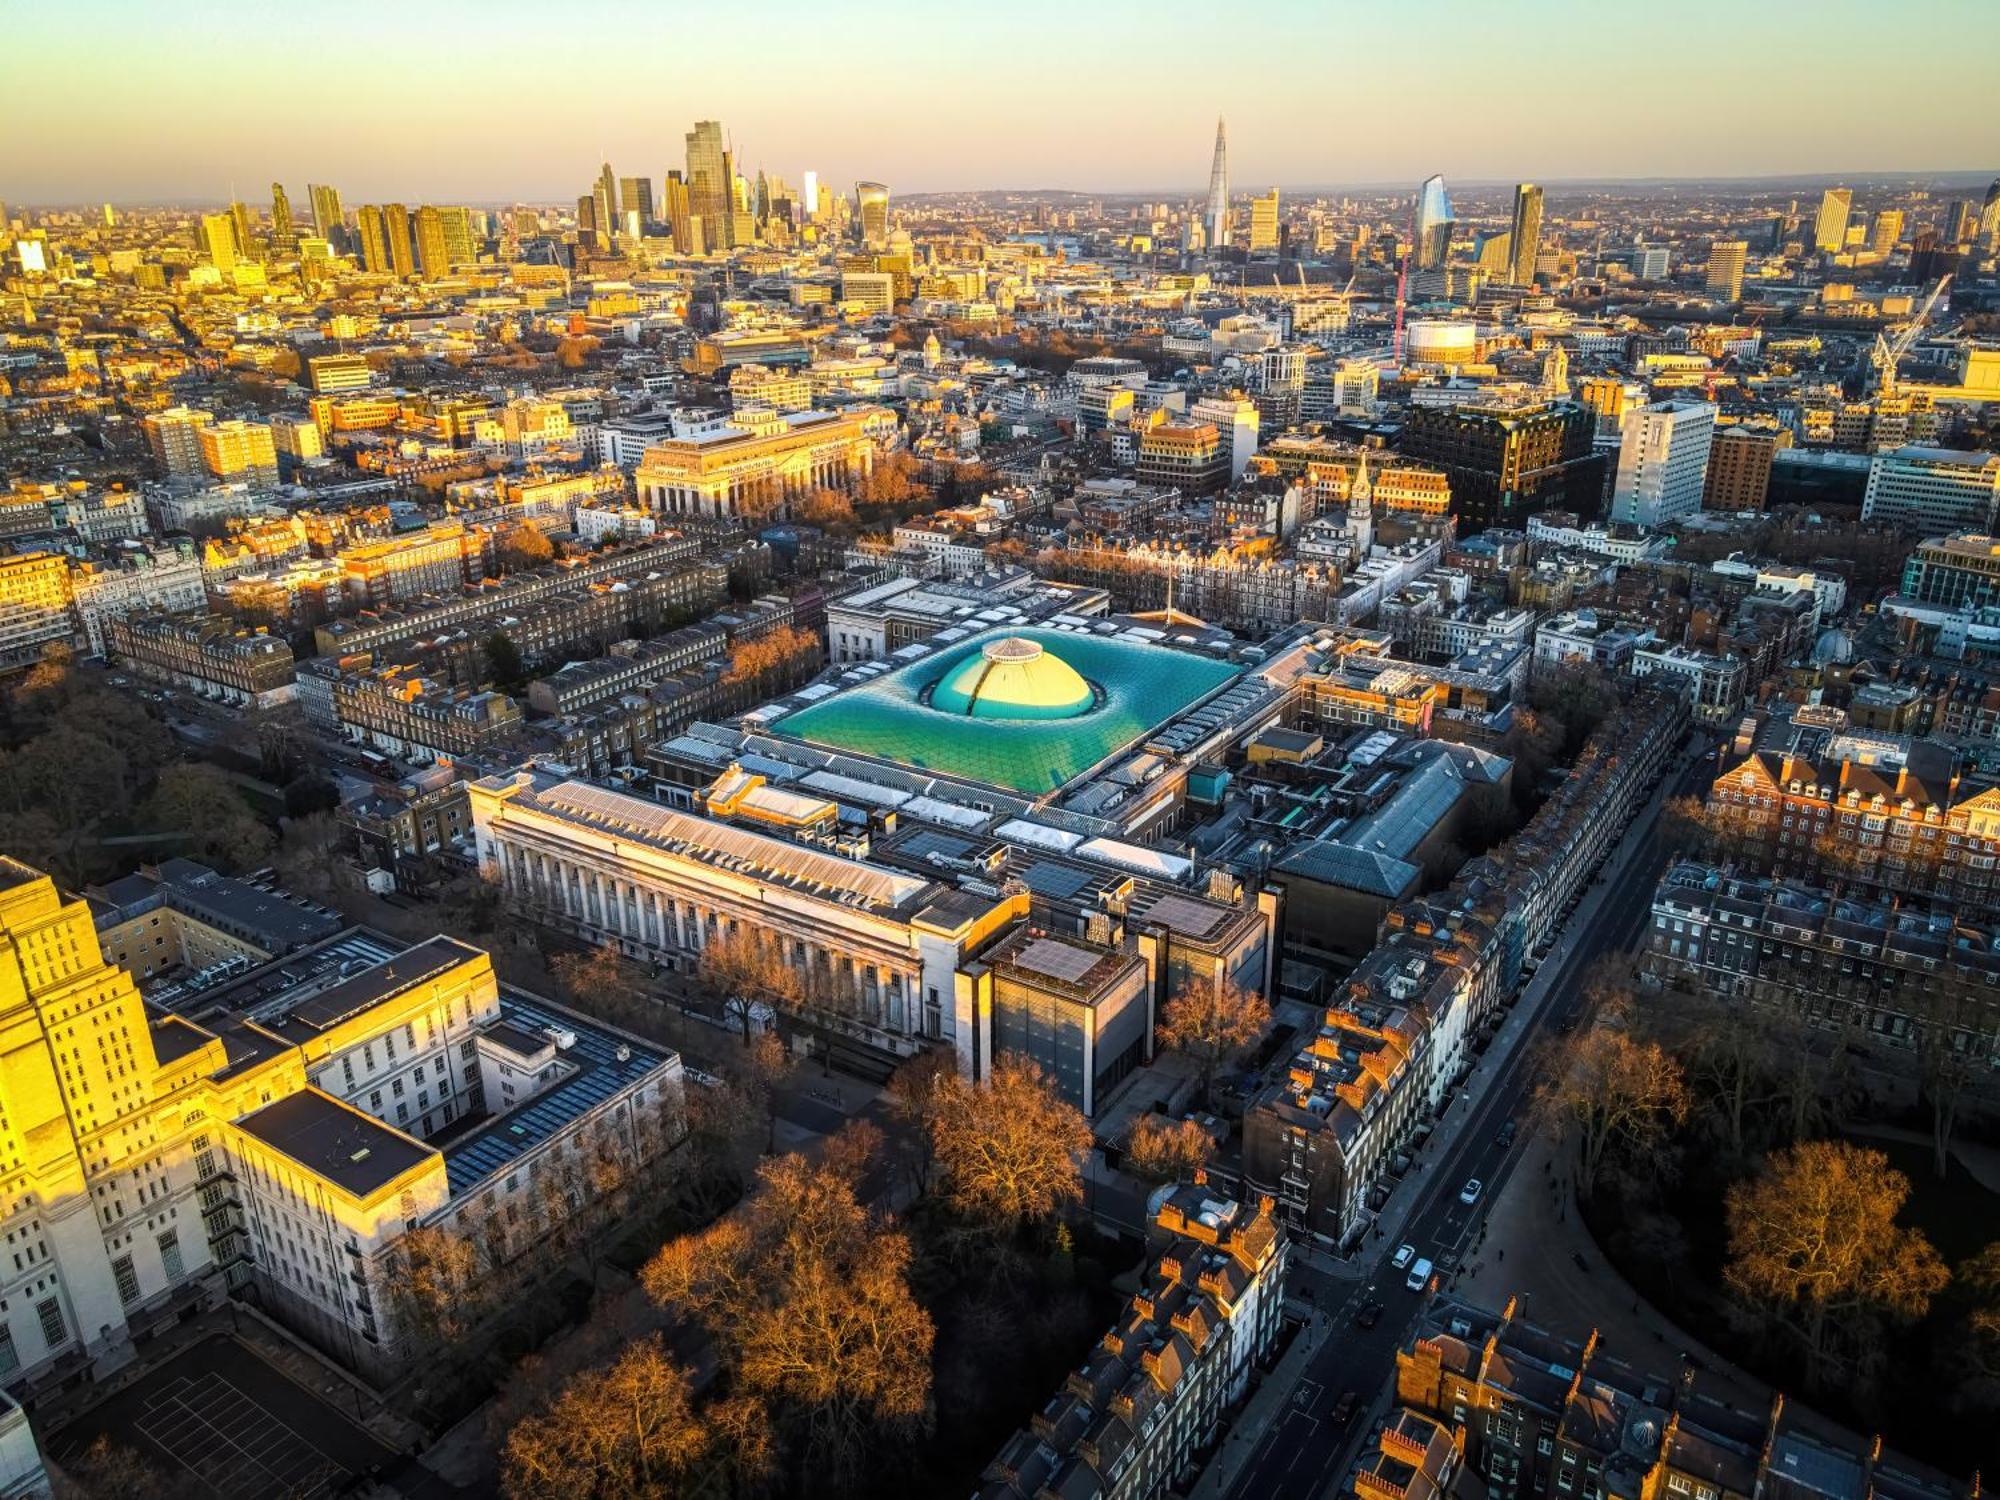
point(134, 577)
point(1739, 468)
point(1934, 490)
point(1662, 463)
point(173, 435)
point(239, 452)
point(1192, 459)
point(1725, 269)
point(34, 605)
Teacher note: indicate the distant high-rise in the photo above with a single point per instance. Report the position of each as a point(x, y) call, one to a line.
point(812, 195)
point(396, 232)
point(327, 220)
point(1527, 233)
point(431, 253)
point(281, 217)
point(871, 208)
point(674, 211)
point(1886, 232)
point(1989, 217)
point(1264, 223)
point(1962, 222)
point(1725, 269)
point(246, 242)
point(635, 196)
point(218, 241)
point(1662, 462)
point(1830, 228)
point(374, 240)
point(1218, 189)
point(459, 249)
point(1434, 225)
point(708, 182)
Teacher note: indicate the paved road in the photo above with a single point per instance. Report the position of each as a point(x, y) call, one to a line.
point(1303, 1452)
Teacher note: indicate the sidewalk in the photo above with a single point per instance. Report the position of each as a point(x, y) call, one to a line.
point(1501, 1056)
point(1259, 1414)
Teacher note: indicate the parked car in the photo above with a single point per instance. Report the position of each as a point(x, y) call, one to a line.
point(1419, 1277)
point(1471, 1191)
point(1369, 1316)
point(1343, 1409)
point(1403, 1256)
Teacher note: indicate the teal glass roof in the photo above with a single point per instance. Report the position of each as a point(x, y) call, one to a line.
point(1138, 687)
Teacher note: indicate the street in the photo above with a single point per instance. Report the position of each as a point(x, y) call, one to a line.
point(1299, 1455)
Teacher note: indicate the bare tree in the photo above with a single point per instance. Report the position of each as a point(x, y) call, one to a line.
point(1815, 1250)
point(1601, 1088)
point(1164, 1150)
point(1011, 1149)
point(1211, 1019)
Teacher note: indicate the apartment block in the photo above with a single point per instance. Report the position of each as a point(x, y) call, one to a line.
point(210, 655)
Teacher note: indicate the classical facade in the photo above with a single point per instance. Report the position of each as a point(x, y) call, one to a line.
point(762, 461)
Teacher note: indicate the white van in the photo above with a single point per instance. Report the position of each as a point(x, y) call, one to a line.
point(1419, 1277)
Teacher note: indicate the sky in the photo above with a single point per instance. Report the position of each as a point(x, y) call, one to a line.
point(519, 100)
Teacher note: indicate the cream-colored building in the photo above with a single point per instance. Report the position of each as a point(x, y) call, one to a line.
point(34, 605)
point(149, 1161)
point(243, 451)
point(762, 461)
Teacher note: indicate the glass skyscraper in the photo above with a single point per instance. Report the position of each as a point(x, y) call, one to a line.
point(1434, 224)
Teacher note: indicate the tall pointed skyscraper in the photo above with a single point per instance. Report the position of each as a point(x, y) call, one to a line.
point(1218, 190)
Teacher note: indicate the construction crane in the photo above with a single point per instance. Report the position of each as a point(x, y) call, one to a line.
point(1888, 353)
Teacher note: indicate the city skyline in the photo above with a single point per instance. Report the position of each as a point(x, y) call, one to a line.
point(159, 135)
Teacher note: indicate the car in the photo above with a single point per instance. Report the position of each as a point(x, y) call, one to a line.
point(1403, 1256)
point(1419, 1277)
point(1343, 1409)
point(1505, 1137)
point(1471, 1191)
point(1581, 1264)
point(1369, 1315)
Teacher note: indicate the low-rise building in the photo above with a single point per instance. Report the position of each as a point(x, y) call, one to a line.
point(135, 576)
point(762, 461)
point(1149, 1399)
point(403, 713)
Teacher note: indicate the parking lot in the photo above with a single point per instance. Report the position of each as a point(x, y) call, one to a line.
point(219, 1413)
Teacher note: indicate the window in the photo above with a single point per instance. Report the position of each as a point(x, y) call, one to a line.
point(55, 1333)
point(9, 1360)
point(170, 1255)
point(128, 1279)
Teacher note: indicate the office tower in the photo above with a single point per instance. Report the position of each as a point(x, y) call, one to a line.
point(607, 187)
point(431, 254)
point(635, 196)
point(1651, 262)
point(1961, 222)
point(174, 436)
point(459, 235)
point(708, 181)
point(1527, 232)
point(374, 240)
point(674, 212)
point(281, 217)
point(1934, 490)
point(239, 451)
point(396, 231)
point(1218, 189)
point(1739, 467)
point(1886, 232)
point(1434, 225)
point(326, 212)
point(246, 242)
point(1989, 218)
point(1506, 462)
point(1725, 270)
point(218, 241)
point(1662, 462)
point(110, 217)
point(1264, 222)
point(871, 208)
point(1830, 228)
point(812, 195)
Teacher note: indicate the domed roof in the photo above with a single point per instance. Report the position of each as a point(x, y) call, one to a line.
point(1013, 678)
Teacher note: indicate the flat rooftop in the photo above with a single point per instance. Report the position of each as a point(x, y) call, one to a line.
point(354, 1151)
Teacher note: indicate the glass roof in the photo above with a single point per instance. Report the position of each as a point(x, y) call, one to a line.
point(1137, 687)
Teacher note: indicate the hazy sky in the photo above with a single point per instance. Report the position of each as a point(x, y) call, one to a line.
point(138, 100)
